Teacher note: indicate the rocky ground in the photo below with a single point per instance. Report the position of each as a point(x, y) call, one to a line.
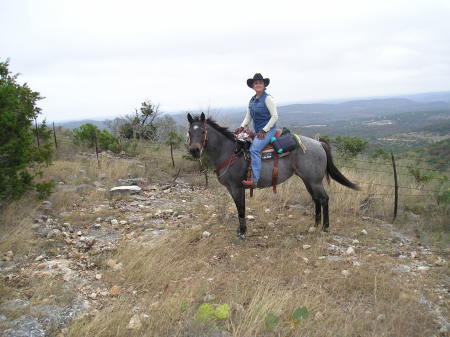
point(65, 280)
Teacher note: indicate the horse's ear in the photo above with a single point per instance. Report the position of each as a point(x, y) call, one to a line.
point(190, 119)
point(202, 117)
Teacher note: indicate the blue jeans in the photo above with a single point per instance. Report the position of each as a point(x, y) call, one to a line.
point(255, 152)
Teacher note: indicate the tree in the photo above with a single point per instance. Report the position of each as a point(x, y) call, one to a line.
point(174, 141)
point(164, 125)
point(42, 132)
point(141, 125)
point(20, 160)
point(349, 147)
point(89, 135)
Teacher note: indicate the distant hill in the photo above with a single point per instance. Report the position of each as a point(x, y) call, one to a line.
point(76, 124)
point(443, 96)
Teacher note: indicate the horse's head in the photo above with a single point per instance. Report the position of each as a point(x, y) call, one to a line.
point(198, 135)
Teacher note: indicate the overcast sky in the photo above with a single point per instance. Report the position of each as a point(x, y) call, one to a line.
point(95, 59)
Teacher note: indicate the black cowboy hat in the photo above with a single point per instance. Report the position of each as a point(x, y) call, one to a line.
point(256, 77)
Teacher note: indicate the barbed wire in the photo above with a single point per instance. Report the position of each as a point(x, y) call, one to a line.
point(390, 165)
point(388, 172)
point(405, 187)
point(66, 140)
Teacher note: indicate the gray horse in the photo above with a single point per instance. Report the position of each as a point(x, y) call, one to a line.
point(206, 136)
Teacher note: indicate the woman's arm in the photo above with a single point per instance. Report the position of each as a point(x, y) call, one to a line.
point(270, 104)
point(247, 119)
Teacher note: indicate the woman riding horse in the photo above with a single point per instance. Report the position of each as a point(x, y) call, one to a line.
point(263, 111)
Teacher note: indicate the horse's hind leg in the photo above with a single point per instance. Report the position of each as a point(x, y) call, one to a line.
point(320, 198)
point(318, 216)
point(317, 203)
point(320, 194)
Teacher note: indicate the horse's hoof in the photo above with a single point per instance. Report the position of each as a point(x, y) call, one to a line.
point(241, 236)
point(325, 230)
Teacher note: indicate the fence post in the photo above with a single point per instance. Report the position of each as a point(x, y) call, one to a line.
point(54, 136)
point(96, 150)
point(37, 132)
point(395, 186)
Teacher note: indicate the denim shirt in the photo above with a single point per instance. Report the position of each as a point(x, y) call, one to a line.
point(259, 112)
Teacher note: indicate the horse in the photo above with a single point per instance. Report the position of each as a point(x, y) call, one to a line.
point(312, 165)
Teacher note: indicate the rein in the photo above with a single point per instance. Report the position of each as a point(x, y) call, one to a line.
point(227, 163)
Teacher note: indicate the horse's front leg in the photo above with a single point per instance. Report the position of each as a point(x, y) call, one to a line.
point(238, 194)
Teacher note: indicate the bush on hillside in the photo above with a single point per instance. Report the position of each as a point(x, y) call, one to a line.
point(90, 136)
point(349, 147)
point(20, 158)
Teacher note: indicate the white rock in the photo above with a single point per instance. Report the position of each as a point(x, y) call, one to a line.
point(209, 298)
point(267, 210)
point(306, 246)
point(311, 229)
point(413, 254)
point(123, 222)
point(125, 189)
point(40, 257)
point(350, 251)
point(439, 261)
point(114, 222)
point(135, 323)
point(144, 316)
point(355, 241)
point(206, 234)
point(381, 317)
point(423, 268)
point(364, 232)
point(345, 273)
point(118, 266)
point(402, 268)
point(9, 253)
point(356, 263)
point(250, 217)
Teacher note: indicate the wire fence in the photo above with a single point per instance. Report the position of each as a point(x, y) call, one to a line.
point(368, 165)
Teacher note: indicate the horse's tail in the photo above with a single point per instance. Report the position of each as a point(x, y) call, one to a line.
point(332, 170)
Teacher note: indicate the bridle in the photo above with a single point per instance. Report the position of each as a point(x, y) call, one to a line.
point(205, 133)
point(204, 141)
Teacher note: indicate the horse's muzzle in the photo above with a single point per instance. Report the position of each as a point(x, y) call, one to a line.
point(195, 151)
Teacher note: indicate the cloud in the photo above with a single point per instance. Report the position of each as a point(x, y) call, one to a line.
point(102, 58)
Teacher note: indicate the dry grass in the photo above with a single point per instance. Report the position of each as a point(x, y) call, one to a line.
point(173, 277)
point(265, 273)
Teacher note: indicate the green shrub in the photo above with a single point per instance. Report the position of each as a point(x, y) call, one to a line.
point(89, 135)
point(20, 159)
point(349, 147)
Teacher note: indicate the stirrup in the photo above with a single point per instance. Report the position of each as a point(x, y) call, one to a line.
point(249, 183)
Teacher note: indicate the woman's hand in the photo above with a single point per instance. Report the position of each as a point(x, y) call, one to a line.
point(238, 130)
point(261, 134)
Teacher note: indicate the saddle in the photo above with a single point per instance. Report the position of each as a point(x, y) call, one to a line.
point(243, 144)
point(268, 153)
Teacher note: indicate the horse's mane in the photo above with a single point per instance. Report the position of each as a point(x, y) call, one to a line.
point(222, 129)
